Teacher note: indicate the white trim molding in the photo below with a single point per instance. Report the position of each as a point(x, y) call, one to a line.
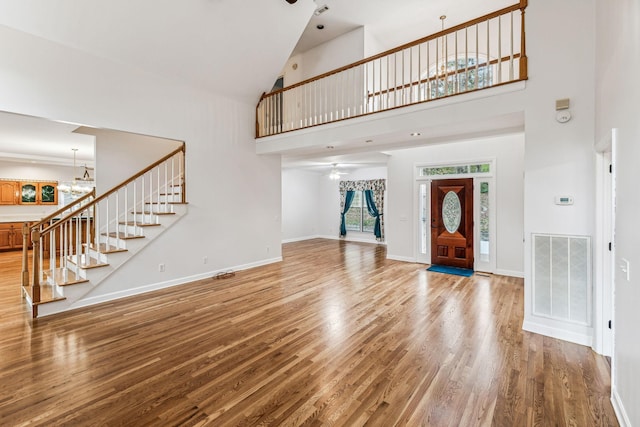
point(510, 273)
point(402, 258)
point(561, 334)
point(618, 408)
point(169, 283)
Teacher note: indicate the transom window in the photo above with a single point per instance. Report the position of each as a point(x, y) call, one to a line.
point(474, 168)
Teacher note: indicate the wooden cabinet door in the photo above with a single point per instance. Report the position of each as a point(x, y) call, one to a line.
point(28, 193)
point(48, 193)
point(17, 239)
point(8, 192)
point(5, 236)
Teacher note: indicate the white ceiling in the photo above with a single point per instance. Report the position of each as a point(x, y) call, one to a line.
point(394, 23)
point(190, 40)
point(24, 138)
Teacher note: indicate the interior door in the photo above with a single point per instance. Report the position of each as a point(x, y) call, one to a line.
point(452, 222)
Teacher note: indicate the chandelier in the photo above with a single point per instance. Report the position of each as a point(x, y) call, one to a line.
point(79, 185)
point(443, 67)
point(334, 175)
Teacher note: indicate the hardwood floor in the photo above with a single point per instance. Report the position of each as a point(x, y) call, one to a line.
point(334, 335)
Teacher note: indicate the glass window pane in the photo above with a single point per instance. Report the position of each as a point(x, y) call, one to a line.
point(484, 222)
point(479, 168)
point(352, 218)
point(424, 205)
point(368, 222)
point(445, 170)
point(451, 212)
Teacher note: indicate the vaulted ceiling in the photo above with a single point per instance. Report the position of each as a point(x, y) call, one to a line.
point(217, 45)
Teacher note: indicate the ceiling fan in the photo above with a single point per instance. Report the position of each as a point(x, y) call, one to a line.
point(335, 173)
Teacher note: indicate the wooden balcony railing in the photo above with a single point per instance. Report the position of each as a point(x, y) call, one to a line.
point(80, 235)
point(479, 54)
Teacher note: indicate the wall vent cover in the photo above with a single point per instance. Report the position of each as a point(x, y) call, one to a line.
point(562, 277)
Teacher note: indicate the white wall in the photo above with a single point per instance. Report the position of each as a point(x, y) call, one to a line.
point(131, 152)
point(300, 204)
point(234, 195)
point(25, 171)
point(559, 158)
point(372, 45)
point(335, 53)
point(618, 52)
point(508, 151)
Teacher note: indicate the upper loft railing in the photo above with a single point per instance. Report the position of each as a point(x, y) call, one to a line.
point(482, 53)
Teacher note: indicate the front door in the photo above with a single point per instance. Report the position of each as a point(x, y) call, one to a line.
point(452, 222)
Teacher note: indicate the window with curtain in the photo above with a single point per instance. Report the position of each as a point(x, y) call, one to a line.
point(362, 206)
point(358, 217)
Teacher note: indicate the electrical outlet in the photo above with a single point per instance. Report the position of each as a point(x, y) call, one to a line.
point(205, 260)
point(161, 268)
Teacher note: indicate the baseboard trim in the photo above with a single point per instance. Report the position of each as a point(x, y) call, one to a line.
point(401, 258)
point(346, 239)
point(510, 273)
point(169, 283)
point(300, 239)
point(561, 334)
point(618, 408)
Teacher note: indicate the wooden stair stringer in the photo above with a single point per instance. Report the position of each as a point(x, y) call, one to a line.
point(80, 295)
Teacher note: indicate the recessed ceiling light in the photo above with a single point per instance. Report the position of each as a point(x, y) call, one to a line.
point(322, 9)
point(415, 133)
point(320, 27)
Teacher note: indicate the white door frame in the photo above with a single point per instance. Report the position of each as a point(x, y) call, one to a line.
point(604, 270)
point(423, 219)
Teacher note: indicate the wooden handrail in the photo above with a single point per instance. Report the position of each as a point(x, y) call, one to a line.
point(523, 46)
point(57, 224)
point(446, 75)
point(454, 29)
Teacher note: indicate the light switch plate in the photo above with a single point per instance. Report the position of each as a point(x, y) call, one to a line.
point(624, 266)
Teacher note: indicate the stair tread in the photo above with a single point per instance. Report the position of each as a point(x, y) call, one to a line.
point(165, 203)
point(124, 236)
point(103, 248)
point(93, 263)
point(47, 294)
point(58, 277)
point(140, 224)
point(154, 213)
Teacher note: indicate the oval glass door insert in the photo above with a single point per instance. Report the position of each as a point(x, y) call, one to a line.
point(451, 212)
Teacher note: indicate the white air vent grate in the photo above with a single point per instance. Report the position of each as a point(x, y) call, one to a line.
point(561, 277)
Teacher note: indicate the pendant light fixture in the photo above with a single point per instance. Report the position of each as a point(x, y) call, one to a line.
point(73, 187)
point(443, 67)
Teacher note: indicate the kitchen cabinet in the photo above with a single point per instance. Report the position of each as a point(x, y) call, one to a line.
point(38, 193)
point(11, 236)
point(8, 192)
point(6, 233)
point(28, 192)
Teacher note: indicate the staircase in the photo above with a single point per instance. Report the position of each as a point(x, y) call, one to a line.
point(79, 246)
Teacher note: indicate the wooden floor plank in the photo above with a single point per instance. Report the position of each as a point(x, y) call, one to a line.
point(336, 334)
